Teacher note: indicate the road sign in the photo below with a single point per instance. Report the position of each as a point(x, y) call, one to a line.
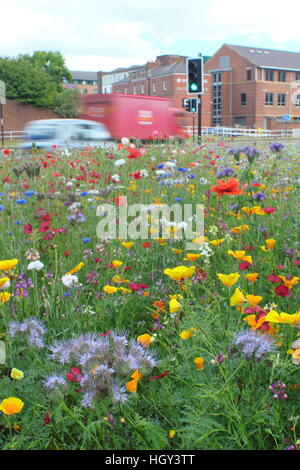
point(286, 117)
point(2, 93)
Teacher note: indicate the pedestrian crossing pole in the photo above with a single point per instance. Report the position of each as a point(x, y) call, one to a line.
point(199, 119)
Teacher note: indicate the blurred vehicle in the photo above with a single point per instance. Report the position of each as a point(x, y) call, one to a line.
point(134, 116)
point(65, 133)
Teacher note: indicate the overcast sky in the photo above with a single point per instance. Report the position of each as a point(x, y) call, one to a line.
point(96, 35)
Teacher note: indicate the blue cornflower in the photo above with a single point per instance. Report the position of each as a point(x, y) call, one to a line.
point(21, 201)
point(29, 193)
point(259, 197)
point(179, 199)
point(84, 193)
point(1, 208)
point(86, 240)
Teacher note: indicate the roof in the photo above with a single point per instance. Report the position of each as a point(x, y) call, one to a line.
point(176, 67)
point(83, 75)
point(269, 58)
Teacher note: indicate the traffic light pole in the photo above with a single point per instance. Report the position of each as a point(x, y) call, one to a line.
point(199, 119)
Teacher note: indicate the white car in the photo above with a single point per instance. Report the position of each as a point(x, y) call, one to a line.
point(65, 133)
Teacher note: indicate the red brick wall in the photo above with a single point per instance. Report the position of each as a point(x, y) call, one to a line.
point(16, 115)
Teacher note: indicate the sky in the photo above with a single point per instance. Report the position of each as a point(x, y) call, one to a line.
point(98, 35)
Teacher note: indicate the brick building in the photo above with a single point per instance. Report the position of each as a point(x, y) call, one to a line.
point(165, 77)
point(254, 87)
point(85, 82)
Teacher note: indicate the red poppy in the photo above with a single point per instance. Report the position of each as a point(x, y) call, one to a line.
point(67, 253)
point(133, 153)
point(269, 210)
point(47, 418)
point(229, 187)
point(6, 152)
point(146, 245)
point(282, 290)
point(244, 266)
point(7, 179)
point(75, 375)
point(44, 227)
point(28, 229)
point(164, 374)
point(98, 260)
point(274, 279)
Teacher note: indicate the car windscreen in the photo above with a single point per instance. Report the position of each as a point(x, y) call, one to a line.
point(89, 132)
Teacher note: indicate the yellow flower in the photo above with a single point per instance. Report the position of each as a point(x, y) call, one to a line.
point(199, 362)
point(240, 229)
point(186, 334)
point(275, 317)
point(116, 263)
point(228, 280)
point(240, 255)
point(16, 374)
point(199, 240)
point(217, 242)
point(270, 242)
point(193, 256)
point(237, 298)
point(11, 406)
point(145, 340)
point(180, 272)
point(127, 245)
point(8, 264)
point(4, 282)
point(253, 299)
point(289, 282)
point(174, 306)
point(4, 297)
point(119, 280)
point(251, 277)
point(171, 434)
point(110, 289)
point(77, 268)
point(132, 385)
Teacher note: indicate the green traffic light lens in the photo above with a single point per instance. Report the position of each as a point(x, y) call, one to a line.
point(194, 87)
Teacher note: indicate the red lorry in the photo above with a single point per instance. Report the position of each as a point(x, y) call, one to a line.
point(133, 116)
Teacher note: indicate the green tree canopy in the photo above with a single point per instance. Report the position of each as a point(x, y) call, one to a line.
point(37, 80)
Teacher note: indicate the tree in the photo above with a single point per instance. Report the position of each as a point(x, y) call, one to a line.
point(37, 80)
point(26, 83)
point(67, 103)
point(53, 63)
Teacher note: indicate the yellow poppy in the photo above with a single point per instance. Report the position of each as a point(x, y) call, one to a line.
point(180, 272)
point(11, 406)
point(199, 362)
point(237, 298)
point(251, 277)
point(228, 280)
point(116, 263)
point(145, 340)
point(8, 264)
point(253, 299)
point(174, 306)
point(76, 269)
point(127, 245)
point(110, 289)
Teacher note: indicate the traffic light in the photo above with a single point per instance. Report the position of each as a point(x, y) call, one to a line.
point(194, 75)
point(190, 104)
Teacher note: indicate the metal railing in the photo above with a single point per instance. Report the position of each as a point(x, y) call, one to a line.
point(238, 132)
point(14, 135)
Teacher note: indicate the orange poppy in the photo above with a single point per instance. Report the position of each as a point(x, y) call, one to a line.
point(229, 187)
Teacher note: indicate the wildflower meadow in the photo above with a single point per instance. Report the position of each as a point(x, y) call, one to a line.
point(118, 342)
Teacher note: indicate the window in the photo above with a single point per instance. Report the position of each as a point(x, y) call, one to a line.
point(270, 75)
point(243, 99)
point(154, 87)
point(240, 120)
point(126, 90)
point(297, 102)
point(297, 76)
point(269, 99)
point(224, 61)
point(281, 99)
point(281, 76)
point(217, 77)
point(248, 74)
point(134, 90)
point(164, 85)
point(142, 89)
